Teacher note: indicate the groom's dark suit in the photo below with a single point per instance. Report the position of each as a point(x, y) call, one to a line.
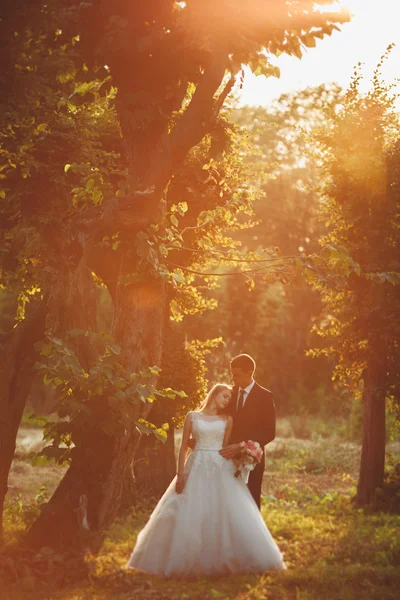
point(255, 421)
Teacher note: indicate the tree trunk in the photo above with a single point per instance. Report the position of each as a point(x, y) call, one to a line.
point(88, 498)
point(17, 359)
point(374, 437)
point(155, 464)
point(73, 304)
point(153, 467)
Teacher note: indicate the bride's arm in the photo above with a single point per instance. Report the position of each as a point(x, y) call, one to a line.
point(187, 429)
point(228, 432)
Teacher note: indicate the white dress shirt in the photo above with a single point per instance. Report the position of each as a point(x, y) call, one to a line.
point(247, 391)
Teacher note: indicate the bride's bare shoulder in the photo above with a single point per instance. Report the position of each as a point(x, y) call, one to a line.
point(191, 414)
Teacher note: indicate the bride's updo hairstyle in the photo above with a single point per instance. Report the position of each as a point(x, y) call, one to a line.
point(216, 389)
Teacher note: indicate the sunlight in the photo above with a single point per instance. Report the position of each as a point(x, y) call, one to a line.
point(373, 27)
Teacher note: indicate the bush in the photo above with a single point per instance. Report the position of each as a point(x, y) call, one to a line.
point(20, 514)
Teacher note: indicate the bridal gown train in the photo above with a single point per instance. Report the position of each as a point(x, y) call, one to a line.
point(214, 527)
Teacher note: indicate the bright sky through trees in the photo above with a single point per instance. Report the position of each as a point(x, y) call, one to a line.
point(374, 25)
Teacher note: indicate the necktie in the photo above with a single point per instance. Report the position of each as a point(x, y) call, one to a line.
point(241, 399)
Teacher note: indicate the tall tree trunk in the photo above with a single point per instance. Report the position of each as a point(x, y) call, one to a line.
point(374, 437)
point(88, 498)
point(17, 359)
point(155, 464)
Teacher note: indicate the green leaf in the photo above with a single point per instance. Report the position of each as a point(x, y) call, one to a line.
point(47, 380)
point(37, 420)
point(179, 278)
point(144, 426)
point(182, 208)
point(131, 278)
point(155, 370)
point(145, 391)
point(46, 349)
point(217, 594)
point(97, 196)
point(208, 165)
point(394, 278)
point(147, 428)
point(174, 220)
point(39, 460)
point(42, 127)
point(161, 435)
point(309, 41)
point(67, 168)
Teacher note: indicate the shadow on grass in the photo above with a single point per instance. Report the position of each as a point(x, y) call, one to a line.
point(333, 552)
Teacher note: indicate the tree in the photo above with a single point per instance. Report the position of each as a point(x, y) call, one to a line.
point(287, 218)
point(273, 319)
point(160, 71)
point(17, 358)
point(358, 269)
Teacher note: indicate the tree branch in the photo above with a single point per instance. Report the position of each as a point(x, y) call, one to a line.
point(195, 121)
point(117, 214)
point(238, 260)
point(202, 274)
point(222, 97)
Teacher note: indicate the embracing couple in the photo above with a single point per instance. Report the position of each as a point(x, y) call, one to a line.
point(208, 521)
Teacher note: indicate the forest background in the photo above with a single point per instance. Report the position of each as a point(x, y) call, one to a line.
point(132, 270)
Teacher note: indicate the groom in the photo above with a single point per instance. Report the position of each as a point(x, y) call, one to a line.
point(253, 411)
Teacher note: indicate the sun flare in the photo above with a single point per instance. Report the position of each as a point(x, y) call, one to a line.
point(373, 27)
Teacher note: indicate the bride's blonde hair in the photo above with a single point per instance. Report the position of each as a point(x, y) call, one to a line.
point(216, 389)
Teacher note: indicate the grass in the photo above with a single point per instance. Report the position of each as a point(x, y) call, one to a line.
point(333, 551)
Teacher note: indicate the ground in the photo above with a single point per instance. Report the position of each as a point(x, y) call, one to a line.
point(333, 551)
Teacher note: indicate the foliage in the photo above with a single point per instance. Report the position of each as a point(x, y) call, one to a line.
point(272, 320)
point(184, 368)
point(42, 128)
point(331, 550)
point(79, 393)
point(103, 104)
point(19, 513)
point(58, 169)
point(356, 269)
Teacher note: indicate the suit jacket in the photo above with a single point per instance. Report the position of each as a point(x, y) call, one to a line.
point(256, 420)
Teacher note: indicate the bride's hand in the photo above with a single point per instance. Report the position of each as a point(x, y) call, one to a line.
point(180, 484)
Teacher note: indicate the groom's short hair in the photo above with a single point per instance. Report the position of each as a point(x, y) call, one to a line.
point(244, 362)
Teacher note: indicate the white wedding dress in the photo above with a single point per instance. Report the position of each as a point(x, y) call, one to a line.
point(214, 527)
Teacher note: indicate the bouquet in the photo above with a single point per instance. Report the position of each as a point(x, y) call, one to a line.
point(251, 456)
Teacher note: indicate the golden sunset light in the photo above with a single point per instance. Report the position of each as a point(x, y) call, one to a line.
point(373, 27)
point(199, 300)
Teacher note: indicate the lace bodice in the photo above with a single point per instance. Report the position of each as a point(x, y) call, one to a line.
point(208, 431)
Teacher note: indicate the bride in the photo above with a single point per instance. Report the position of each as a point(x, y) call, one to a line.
point(207, 522)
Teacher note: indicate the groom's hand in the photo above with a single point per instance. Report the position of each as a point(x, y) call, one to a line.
point(230, 451)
